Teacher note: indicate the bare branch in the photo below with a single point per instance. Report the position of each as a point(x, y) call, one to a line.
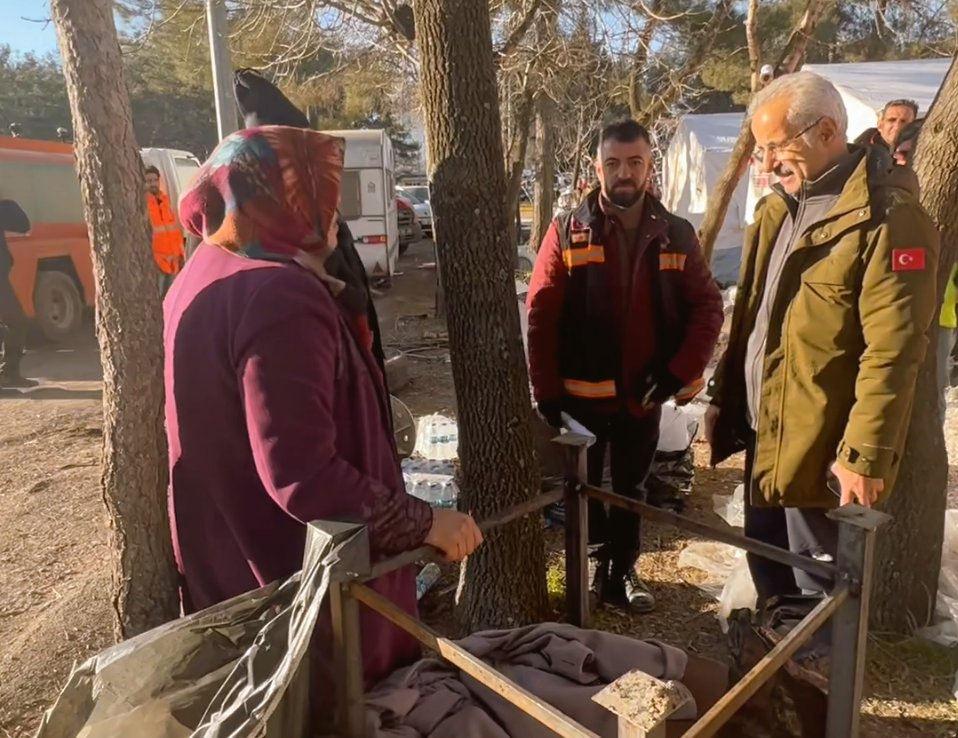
point(692, 65)
point(754, 43)
point(520, 30)
point(795, 47)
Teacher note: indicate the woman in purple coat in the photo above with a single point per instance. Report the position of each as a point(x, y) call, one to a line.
point(276, 414)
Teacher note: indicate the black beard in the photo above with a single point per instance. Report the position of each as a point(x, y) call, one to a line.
point(623, 199)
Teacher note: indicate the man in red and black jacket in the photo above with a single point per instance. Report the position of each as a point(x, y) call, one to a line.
point(623, 315)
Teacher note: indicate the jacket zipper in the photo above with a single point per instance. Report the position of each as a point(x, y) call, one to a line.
point(781, 404)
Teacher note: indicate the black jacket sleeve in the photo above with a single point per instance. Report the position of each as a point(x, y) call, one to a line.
point(12, 217)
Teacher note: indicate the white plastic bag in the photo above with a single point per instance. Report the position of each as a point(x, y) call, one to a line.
point(945, 631)
point(738, 592)
point(728, 581)
point(677, 428)
point(731, 508)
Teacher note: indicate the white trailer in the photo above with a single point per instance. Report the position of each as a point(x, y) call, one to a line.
point(368, 199)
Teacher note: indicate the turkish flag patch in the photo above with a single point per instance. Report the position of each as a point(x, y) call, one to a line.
point(907, 260)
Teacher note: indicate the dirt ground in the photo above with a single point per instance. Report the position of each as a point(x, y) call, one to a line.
point(54, 571)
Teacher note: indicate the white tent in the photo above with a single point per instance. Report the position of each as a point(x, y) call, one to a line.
point(867, 86)
point(692, 166)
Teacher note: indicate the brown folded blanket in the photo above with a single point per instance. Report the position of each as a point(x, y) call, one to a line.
point(561, 664)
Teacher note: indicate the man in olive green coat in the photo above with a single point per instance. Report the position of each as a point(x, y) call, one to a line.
point(836, 293)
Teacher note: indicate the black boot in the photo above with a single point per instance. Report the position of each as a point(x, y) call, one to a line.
point(600, 580)
point(626, 591)
point(637, 593)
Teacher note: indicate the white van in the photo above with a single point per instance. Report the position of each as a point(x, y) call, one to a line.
point(177, 169)
point(369, 199)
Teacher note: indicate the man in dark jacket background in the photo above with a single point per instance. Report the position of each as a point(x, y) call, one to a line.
point(623, 315)
point(13, 324)
point(892, 120)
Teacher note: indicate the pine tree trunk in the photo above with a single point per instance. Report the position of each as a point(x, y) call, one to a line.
point(909, 549)
point(544, 195)
point(503, 583)
point(129, 318)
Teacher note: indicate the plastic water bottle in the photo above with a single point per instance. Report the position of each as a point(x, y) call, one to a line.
point(426, 579)
point(437, 437)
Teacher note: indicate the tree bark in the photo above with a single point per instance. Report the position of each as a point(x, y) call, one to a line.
point(909, 549)
point(503, 583)
point(791, 59)
point(517, 163)
point(544, 194)
point(129, 318)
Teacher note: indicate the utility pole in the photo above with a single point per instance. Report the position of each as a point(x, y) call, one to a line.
point(226, 113)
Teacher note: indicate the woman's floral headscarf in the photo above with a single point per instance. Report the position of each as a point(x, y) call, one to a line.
point(267, 192)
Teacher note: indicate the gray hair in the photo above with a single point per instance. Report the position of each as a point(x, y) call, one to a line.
point(900, 103)
point(812, 97)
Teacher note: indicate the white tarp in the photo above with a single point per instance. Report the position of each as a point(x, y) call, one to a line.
point(693, 164)
point(867, 86)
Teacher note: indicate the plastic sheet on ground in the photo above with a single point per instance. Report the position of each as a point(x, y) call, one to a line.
point(728, 580)
point(437, 437)
point(945, 631)
point(231, 670)
point(731, 508)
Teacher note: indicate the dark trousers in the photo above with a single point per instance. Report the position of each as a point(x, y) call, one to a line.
point(13, 328)
point(631, 443)
point(805, 531)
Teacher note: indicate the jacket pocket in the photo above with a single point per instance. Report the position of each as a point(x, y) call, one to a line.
point(823, 318)
point(830, 292)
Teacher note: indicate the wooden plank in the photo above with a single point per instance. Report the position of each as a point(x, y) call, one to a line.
point(774, 553)
point(428, 553)
point(475, 667)
point(347, 653)
point(738, 695)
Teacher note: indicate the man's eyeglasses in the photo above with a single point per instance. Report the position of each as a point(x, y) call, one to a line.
point(773, 148)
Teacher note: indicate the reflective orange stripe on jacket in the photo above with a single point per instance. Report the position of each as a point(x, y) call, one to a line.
point(671, 260)
point(594, 253)
point(590, 390)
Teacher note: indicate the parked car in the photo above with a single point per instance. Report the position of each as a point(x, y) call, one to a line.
point(418, 195)
point(410, 230)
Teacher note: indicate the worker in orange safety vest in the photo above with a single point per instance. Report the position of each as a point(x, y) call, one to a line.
point(168, 250)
